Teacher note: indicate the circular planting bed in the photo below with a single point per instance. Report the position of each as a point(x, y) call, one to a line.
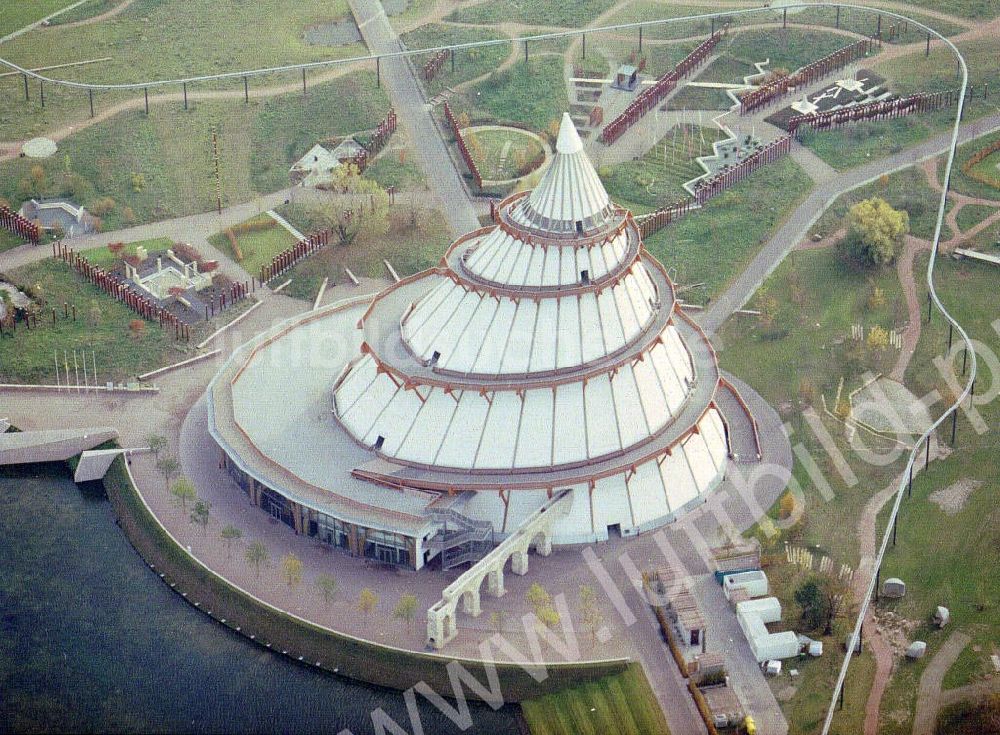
point(504, 154)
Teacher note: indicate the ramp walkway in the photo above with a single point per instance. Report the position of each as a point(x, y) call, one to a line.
point(51, 445)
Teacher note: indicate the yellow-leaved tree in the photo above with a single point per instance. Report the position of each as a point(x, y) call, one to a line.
point(875, 232)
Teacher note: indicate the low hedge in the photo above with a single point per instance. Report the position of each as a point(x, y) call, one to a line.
point(351, 657)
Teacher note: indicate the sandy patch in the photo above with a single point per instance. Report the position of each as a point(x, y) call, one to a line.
point(952, 499)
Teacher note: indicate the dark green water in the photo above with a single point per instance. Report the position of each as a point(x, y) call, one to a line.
point(92, 640)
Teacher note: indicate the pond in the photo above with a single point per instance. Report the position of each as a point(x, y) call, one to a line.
point(92, 640)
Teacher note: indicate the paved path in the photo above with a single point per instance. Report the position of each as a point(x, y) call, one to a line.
point(415, 117)
point(929, 695)
point(193, 229)
point(797, 224)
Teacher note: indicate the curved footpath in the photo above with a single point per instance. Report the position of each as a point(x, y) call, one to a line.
point(796, 226)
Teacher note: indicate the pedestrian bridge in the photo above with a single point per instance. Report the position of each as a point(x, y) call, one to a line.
point(535, 531)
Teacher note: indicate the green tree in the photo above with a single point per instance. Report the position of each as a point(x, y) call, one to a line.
point(327, 587)
point(367, 601)
point(812, 602)
point(200, 513)
point(359, 208)
point(157, 443)
point(229, 534)
point(291, 569)
point(406, 608)
point(168, 467)
point(183, 491)
point(875, 232)
point(257, 555)
point(538, 597)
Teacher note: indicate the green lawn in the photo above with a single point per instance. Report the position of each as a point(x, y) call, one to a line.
point(87, 10)
point(161, 166)
point(540, 12)
point(389, 169)
point(712, 245)
point(915, 73)
point(504, 154)
point(865, 22)
point(972, 214)
point(656, 179)
point(17, 15)
point(789, 48)
point(907, 189)
point(532, 93)
point(9, 241)
point(469, 64)
point(621, 703)
point(205, 36)
point(102, 325)
point(945, 559)
point(962, 183)
point(257, 248)
point(409, 249)
point(860, 143)
point(107, 260)
point(977, 9)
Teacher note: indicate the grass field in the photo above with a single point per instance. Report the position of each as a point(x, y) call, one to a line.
point(972, 214)
point(865, 22)
point(915, 73)
point(656, 179)
point(622, 703)
point(107, 260)
point(532, 93)
point(540, 12)
point(854, 145)
point(978, 9)
point(17, 15)
point(469, 64)
point(161, 166)
point(964, 184)
point(409, 249)
point(9, 241)
point(257, 248)
point(87, 10)
point(907, 189)
point(102, 325)
point(952, 569)
point(713, 244)
point(206, 36)
point(504, 154)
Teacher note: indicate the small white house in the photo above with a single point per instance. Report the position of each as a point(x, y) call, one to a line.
point(753, 615)
point(754, 583)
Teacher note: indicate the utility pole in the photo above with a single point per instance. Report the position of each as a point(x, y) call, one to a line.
point(218, 176)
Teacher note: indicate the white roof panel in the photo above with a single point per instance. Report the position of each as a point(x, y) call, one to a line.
point(543, 353)
point(568, 344)
point(631, 418)
point(645, 488)
point(462, 438)
point(429, 428)
point(519, 343)
point(570, 435)
point(534, 443)
point(496, 451)
point(602, 424)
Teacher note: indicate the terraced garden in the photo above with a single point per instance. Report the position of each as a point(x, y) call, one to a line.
point(657, 178)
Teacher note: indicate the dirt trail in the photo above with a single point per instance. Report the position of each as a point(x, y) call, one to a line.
point(9, 150)
point(116, 10)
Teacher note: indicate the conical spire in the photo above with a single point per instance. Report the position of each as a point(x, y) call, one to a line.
point(570, 192)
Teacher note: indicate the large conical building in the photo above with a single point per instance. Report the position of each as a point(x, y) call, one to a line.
point(546, 352)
